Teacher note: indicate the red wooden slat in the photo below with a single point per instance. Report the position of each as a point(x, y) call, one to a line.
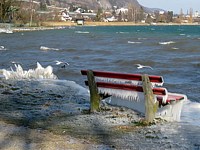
point(170, 98)
point(126, 76)
point(156, 91)
point(175, 97)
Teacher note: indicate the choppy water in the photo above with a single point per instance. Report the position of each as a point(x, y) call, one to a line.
point(172, 51)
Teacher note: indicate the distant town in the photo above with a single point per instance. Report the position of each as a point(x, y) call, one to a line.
point(33, 13)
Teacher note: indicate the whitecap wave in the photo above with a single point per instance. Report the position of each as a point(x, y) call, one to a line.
point(48, 48)
point(132, 42)
point(166, 43)
point(82, 32)
point(122, 32)
point(175, 48)
point(38, 73)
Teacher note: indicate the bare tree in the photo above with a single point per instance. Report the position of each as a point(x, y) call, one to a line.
point(170, 16)
point(135, 13)
point(99, 13)
point(131, 12)
point(181, 14)
point(191, 16)
point(6, 10)
point(140, 15)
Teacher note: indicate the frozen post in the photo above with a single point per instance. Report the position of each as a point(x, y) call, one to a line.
point(94, 96)
point(150, 105)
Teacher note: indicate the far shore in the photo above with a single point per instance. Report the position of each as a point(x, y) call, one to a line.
point(58, 25)
point(86, 23)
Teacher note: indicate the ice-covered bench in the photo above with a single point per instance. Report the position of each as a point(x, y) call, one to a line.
point(130, 90)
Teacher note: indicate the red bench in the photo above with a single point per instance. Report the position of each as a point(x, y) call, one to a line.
point(141, 91)
point(125, 81)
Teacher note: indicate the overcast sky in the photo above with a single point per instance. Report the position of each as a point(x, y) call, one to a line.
point(174, 5)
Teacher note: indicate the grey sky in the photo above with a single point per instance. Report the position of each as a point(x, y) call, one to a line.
point(174, 5)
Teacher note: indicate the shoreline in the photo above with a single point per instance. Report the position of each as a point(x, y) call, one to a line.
point(56, 24)
point(61, 25)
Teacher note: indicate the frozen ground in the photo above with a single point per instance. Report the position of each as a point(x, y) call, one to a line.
point(104, 131)
point(53, 114)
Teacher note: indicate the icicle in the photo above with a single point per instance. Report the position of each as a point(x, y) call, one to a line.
point(164, 98)
point(157, 84)
point(123, 94)
point(172, 112)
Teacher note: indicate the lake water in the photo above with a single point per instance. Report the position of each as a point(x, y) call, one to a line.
point(172, 51)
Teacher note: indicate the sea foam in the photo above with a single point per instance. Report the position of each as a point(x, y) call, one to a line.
point(82, 32)
point(132, 42)
point(48, 48)
point(166, 43)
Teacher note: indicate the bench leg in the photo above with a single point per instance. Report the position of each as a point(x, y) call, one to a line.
point(150, 105)
point(94, 96)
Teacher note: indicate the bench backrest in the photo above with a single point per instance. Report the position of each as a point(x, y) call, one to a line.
point(157, 80)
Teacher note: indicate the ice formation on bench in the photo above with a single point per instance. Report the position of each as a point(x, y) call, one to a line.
point(123, 94)
point(134, 82)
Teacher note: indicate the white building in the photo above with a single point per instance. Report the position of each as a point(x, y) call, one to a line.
point(161, 12)
point(122, 10)
point(65, 16)
point(196, 14)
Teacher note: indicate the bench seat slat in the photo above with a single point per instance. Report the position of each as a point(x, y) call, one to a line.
point(175, 97)
point(171, 97)
point(125, 76)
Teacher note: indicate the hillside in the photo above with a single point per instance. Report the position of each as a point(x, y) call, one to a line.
point(91, 4)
